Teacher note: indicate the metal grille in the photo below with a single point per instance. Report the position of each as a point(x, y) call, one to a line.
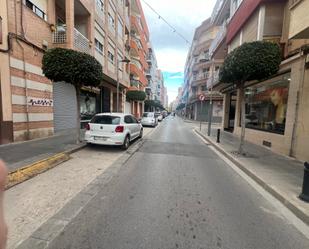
point(59, 37)
point(81, 43)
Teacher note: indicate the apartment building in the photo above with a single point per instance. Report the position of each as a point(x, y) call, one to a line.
point(198, 71)
point(151, 74)
point(277, 108)
point(33, 107)
point(139, 38)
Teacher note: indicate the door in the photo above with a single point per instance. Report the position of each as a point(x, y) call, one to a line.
point(232, 111)
point(106, 99)
point(136, 126)
point(65, 106)
point(130, 125)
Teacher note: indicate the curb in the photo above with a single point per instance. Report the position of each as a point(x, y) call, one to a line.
point(292, 207)
point(27, 172)
point(54, 226)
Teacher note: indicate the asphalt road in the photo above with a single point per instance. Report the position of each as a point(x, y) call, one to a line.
point(177, 193)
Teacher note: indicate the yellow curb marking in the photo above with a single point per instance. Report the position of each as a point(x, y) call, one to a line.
point(34, 169)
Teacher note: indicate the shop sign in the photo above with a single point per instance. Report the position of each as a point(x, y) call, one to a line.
point(39, 102)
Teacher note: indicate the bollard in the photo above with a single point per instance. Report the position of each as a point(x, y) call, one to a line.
point(218, 136)
point(305, 192)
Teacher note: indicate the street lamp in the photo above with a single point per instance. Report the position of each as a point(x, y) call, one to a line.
point(118, 62)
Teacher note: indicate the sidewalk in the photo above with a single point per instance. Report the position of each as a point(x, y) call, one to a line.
point(20, 154)
point(69, 186)
point(281, 176)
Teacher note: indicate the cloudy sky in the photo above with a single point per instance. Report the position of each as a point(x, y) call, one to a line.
point(171, 50)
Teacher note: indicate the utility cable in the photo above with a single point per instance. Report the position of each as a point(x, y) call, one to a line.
point(164, 20)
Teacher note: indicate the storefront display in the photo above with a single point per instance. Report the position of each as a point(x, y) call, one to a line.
point(89, 104)
point(266, 105)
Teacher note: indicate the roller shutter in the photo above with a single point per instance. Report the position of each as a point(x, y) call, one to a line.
point(65, 107)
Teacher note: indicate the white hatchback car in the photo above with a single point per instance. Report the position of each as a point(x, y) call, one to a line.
point(113, 129)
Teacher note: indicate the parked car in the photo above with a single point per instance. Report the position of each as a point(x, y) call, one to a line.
point(149, 119)
point(165, 114)
point(159, 116)
point(113, 129)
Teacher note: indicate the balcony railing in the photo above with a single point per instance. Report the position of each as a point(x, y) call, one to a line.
point(218, 39)
point(81, 43)
point(149, 57)
point(216, 9)
point(60, 37)
point(213, 80)
point(134, 83)
point(148, 73)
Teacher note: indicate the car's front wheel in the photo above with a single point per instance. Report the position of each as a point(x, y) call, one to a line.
point(126, 143)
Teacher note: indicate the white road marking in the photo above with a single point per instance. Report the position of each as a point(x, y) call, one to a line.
point(290, 217)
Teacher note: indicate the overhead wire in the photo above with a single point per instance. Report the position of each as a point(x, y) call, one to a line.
point(166, 22)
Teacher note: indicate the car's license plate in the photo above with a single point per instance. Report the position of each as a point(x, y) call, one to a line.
point(100, 138)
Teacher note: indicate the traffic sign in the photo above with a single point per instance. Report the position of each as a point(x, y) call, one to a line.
point(202, 97)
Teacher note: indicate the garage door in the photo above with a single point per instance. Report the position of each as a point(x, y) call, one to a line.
point(127, 107)
point(65, 106)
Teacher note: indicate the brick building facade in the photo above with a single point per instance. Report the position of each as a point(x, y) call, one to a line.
point(31, 106)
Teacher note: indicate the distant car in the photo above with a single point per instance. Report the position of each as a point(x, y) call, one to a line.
point(113, 129)
point(165, 114)
point(149, 119)
point(159, 116)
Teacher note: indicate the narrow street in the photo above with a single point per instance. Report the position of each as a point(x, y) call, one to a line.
point(175, 192)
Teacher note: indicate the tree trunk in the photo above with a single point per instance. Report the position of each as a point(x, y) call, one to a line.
point(243, 118)
point(78, 114)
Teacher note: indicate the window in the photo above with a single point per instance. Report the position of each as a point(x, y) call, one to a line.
point(128, 120)
point(148, 115)
point(120, 28)
point(108, 120)
point(110, 56)
point(134, 120)
point(120, 58)
point(98, 46)
point(111, 21)
point(36, 9)
point(100, 5)
point(204, 88)
point(266, 105)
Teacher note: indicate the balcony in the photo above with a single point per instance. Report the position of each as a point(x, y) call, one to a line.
point(213, 80)
point(299, 27)
point(148, 74)
point(218, 39)
point(149, 58)
point(220, 12)
point(134, 83)
point(81, 43)
point(60, 36)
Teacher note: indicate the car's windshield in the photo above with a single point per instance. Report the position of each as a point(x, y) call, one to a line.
point(108, 120)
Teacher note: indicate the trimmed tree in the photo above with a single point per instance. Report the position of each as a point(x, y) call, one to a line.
point(76, 68)
point(251, 61)
point(180, 106)
point(136, 95)
point(153, 103)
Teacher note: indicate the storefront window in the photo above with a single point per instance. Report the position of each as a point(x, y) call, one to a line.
point(88, 105)
point(266, 105)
